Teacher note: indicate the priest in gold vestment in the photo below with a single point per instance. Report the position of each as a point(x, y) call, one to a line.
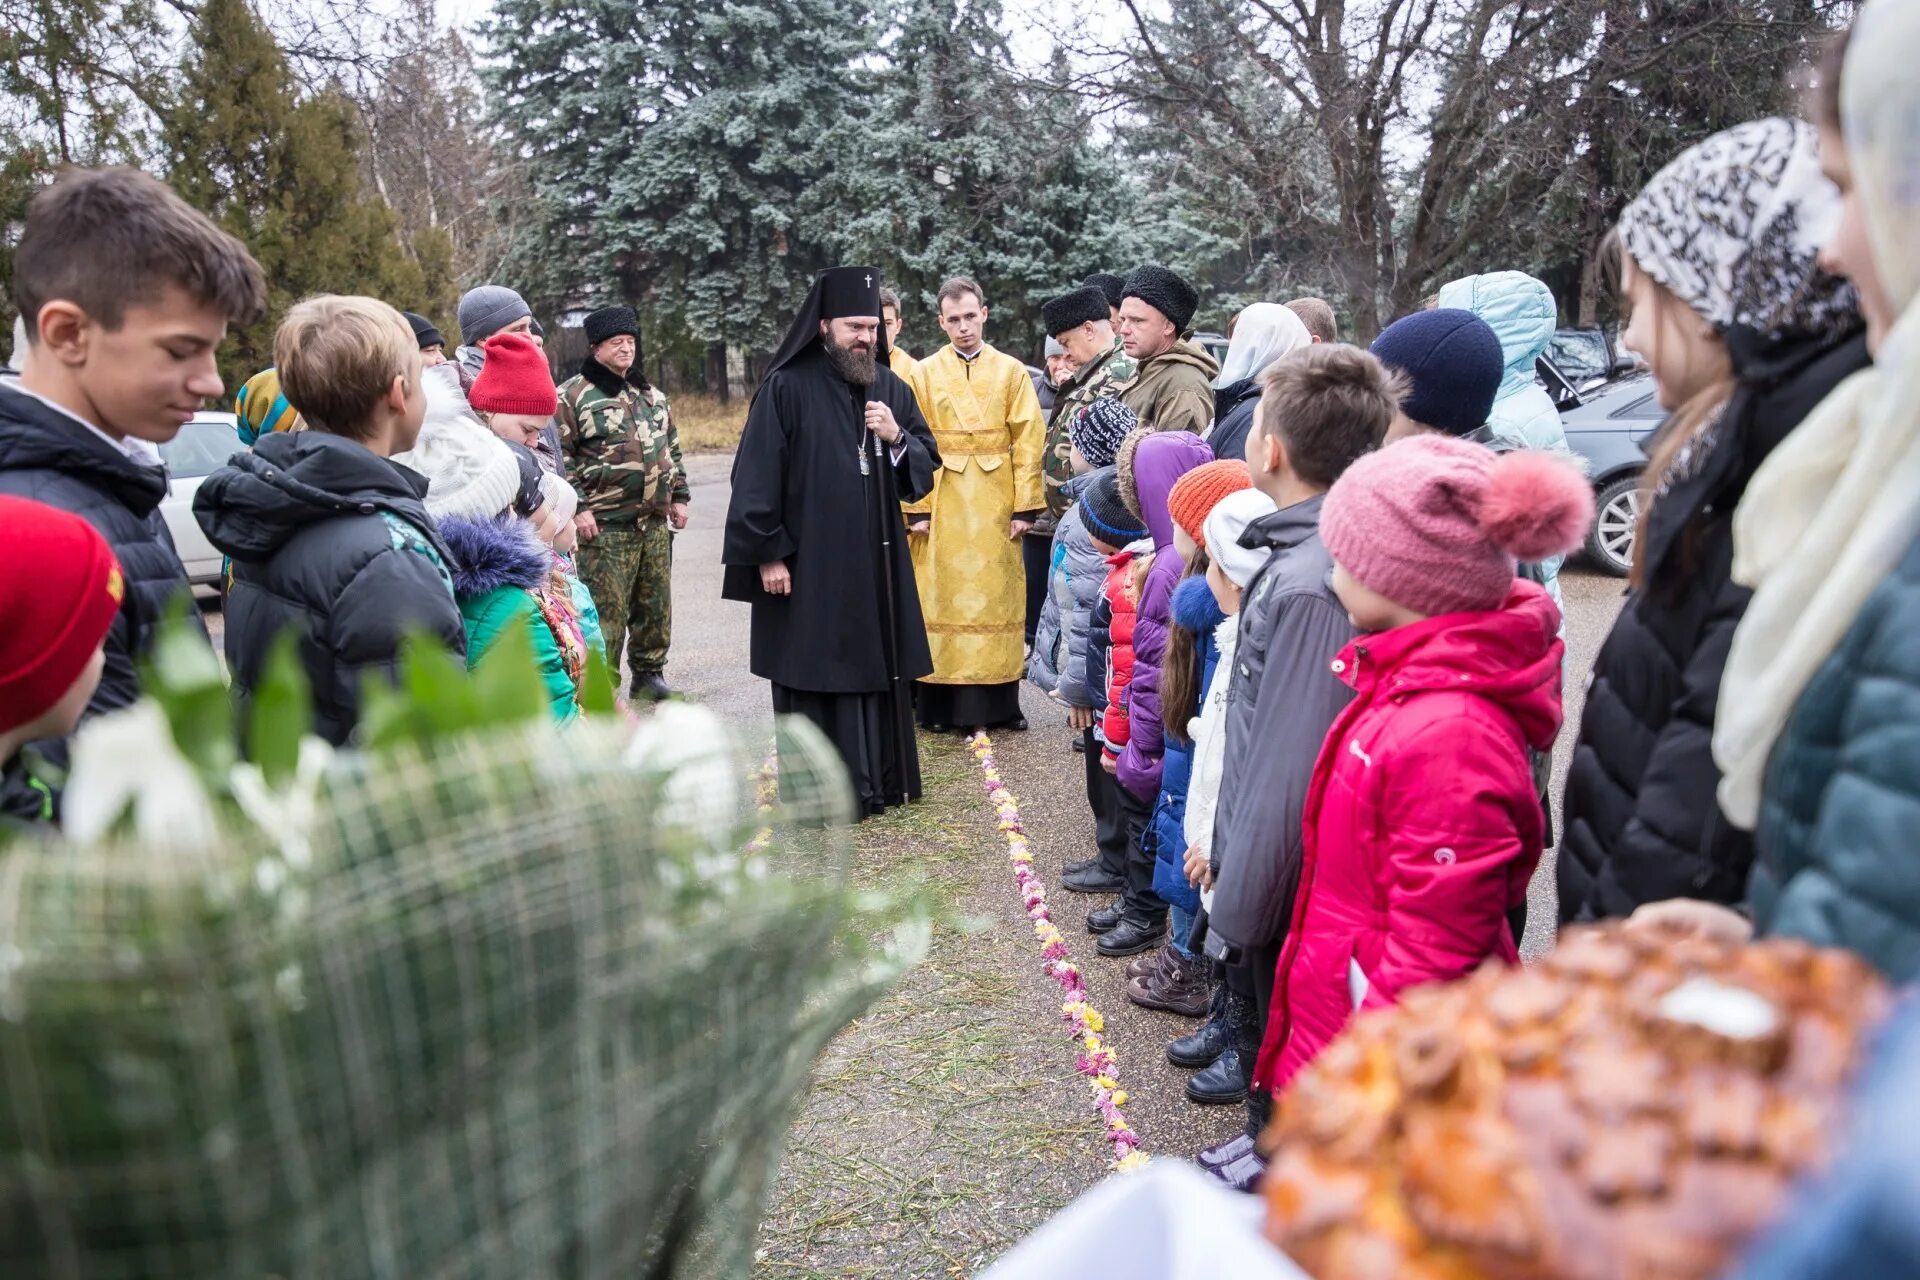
point(965, 535)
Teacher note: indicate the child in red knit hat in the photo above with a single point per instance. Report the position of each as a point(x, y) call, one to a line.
point(514, 394)
point(60, 590)
point(1423, 824)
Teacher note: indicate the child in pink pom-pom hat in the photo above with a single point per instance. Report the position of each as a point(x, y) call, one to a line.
point(1422, 821)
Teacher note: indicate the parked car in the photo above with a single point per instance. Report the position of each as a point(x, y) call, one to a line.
point(1588, 358)
point(202, 446)
point(1608, 428)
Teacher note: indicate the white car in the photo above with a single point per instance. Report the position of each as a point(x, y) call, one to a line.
point(201, 448)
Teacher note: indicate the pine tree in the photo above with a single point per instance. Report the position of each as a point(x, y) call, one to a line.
point(280, 171)
point(76, 87)
point(960, 167)
point(664, 160)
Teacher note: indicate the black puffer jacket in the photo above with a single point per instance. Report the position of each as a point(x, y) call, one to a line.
point(332, 541)
point(1233, 409)
point(1641, 821)
point(49, 457)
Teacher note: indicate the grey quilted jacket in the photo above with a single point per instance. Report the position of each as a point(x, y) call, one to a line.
point(1075, 571)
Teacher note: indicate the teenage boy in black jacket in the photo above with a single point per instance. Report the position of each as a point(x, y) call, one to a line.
point(126, 293)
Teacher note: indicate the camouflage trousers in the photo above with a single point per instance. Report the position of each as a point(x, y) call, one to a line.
point(628, 570)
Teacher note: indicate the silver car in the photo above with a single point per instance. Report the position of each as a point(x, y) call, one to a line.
point(1608, 426)
point(201, 448)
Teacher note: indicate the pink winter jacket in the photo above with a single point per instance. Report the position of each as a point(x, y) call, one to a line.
point(1422, 822)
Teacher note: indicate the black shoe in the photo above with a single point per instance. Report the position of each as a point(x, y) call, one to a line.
point(1079, 746)
point(1221, 1085)
point(937, 728)
point(1018, 724)
point(1131, 937)
point(1080, 866)
point(1092, 880)
point(649, 688)
point(1199, 1050)
point(1101, 919)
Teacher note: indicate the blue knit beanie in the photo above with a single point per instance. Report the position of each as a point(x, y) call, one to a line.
point(1453, 364)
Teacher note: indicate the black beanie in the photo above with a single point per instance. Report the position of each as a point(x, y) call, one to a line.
point(1165, 292)
point(611, 322)
point(423, 331)
point(1071, 310)
point(1109, 284)
point(1107, 517)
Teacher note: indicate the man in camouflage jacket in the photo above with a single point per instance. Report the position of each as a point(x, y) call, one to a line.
point(623, 452)
point(1079, 322)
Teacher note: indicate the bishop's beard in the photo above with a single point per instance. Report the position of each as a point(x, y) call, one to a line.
point(859, 368)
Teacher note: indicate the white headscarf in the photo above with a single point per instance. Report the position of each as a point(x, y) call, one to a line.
point(1831, 511)
point(1264, 332)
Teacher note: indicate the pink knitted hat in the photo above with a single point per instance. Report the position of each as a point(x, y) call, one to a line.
point(1435, 523)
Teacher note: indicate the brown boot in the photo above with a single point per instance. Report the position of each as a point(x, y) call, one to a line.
point(1179, 987)
point(1147, 965)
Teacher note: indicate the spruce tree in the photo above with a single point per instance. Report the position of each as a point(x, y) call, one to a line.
point(958, 166)
point(665, 159)
point(280, 171)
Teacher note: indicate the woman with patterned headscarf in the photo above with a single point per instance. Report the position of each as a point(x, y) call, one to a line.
point(1745, 333)
point(1818, 732)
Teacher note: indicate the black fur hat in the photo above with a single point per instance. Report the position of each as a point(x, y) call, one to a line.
point(1165, 292)
point(611, 322)
point(1108, 283)
point(1071, 310)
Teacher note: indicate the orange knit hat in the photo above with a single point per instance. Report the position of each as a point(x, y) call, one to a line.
point(1195, 493)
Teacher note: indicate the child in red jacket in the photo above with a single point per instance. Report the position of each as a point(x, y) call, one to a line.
point(1121, 595)
point(1422, 821)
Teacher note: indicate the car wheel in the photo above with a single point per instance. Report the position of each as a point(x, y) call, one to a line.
point(1617, 517)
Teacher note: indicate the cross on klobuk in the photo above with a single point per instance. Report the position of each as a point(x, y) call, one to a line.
point(869, 282)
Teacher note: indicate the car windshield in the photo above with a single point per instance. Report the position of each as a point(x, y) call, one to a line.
point(1581, 354)
point(200, 448)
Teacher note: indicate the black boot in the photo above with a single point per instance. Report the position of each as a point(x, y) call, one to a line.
point(1132, 936)
point(1103, 919)
point(651, 687)
point(1079, 866)
point(1222, 1084)
point(1201, 1048)
point(1092, 880)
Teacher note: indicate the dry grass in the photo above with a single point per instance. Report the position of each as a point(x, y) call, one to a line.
point(707, 425)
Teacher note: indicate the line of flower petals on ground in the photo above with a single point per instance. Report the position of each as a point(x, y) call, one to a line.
point(1095, 1061)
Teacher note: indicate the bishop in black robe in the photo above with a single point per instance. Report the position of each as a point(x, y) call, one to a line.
point(814, 489)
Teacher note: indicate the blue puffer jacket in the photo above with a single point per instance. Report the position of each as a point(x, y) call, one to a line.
point(1520, 310)
point(1076, 569)
point(1194, 609)
point(1834, 861)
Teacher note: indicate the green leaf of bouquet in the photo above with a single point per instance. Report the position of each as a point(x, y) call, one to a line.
point(282, 710)
point(184, 678)
point(440, 696)
point(507, 682)
point(596, 694)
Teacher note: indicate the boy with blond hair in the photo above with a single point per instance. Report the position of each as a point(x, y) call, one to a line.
point(331, 540)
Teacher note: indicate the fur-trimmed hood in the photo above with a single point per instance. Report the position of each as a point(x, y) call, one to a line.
point(499, 552)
